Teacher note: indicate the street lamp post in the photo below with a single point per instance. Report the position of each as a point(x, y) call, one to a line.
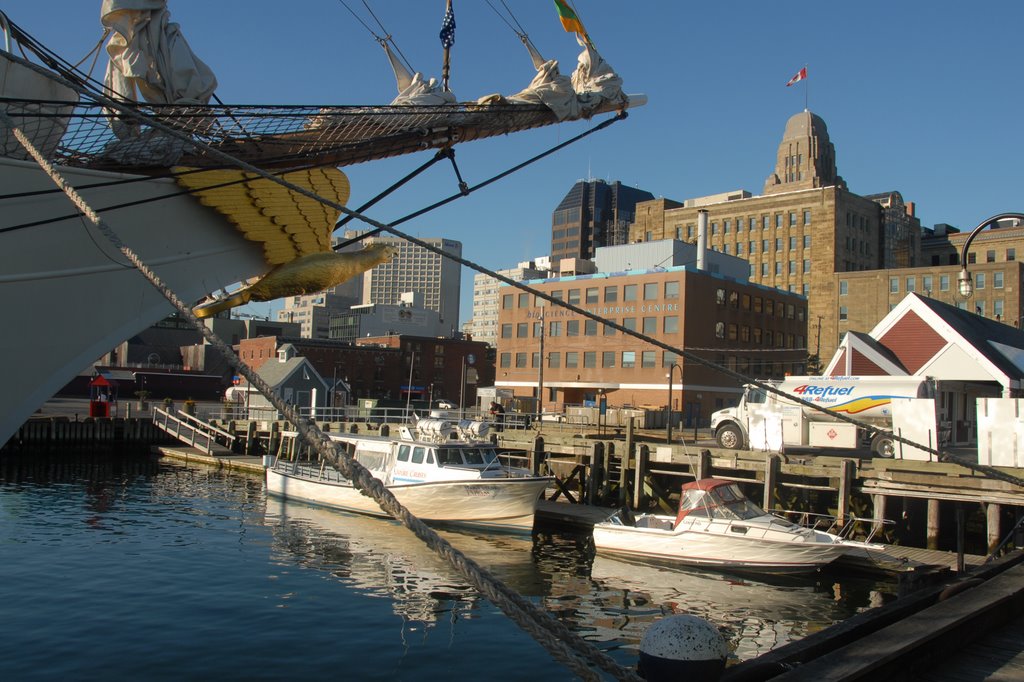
point(965, 287)
point(668, 420)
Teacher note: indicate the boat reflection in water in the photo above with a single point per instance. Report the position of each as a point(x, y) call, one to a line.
point(609, 601)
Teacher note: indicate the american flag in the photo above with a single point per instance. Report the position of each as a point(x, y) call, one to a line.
point(448, 28)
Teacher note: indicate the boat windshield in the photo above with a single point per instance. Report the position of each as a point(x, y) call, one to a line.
point(466, 456)
point(722, 502)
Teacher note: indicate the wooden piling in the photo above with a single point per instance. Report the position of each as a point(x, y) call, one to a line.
point(597, 458)
point(250, 438)
point(932, 530)
point(643, 464)
point(624, 464)
point(878, 512)
point(847, 474)
point(771, 478)
point(992, 513)
point(703, 464)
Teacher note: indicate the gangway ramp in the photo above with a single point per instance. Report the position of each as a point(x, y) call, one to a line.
point(194, 432)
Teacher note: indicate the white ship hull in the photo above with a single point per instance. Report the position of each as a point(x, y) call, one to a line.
point(499, 503)
point(75, 295)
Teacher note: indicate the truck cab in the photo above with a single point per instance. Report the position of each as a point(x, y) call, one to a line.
point(730, 424)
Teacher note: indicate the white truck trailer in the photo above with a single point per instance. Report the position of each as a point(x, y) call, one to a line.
point(864, 398)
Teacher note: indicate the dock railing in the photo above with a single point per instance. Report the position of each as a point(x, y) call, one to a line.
point(190, 430)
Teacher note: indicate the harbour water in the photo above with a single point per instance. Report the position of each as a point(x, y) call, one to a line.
point(129, 567)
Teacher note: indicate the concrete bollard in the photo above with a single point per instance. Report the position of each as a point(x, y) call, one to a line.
point(682, 647)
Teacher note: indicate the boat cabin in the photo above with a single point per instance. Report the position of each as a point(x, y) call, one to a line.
point(715, 499)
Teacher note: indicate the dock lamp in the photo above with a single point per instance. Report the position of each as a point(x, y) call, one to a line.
point(964, 285)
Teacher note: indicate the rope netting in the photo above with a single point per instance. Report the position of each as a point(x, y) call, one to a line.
point(90, 135)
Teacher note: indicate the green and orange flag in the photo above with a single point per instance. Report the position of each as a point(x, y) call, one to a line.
point(570, 22)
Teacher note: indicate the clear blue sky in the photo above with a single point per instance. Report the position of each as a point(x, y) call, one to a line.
point(919, 97)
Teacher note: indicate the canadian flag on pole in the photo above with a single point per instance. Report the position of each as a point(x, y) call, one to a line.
point(800, 75)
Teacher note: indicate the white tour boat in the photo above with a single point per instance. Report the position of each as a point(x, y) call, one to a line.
point(149, 163)
point(440, 479)
point(719, 527)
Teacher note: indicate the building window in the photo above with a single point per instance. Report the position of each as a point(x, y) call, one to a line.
point(608, 331)
point(535, 360)
point(766, 222)
point(807, 265)
point(943, 282)
point(590, 359)
point(792, 267)
point(997, 308)
point(756, 336)
point(739, 248)
point(651, 291)
point(792, 243)
point(732, 331)
point(719, 330)
point(778, 220)
point(1011, 254)
point(572, 359)
point(671, 324)
point(671, 290)
point(911, 284)
point(647, 358)
point(611, 294)
point(506, 331)
point(979, 280)
point(524, 300)
point(979, 308)
point(608, 358)
point(523, 330)
point(720, 296)
point(725, 226)
point(668, 358)
point(928, 284)
point(792, 218)
point(628, 359)
point(764, 269)
point(520, 359)
point(752, 247)
point(505, 360)
point(572, 328)
point(807, 241)
point(894, 285)
point(997, 280)
point(506, 301)
point(734, 300)
point(844, 287)
point(990, 256)
point(557, 294)
point(629, 292)
point(554, 360)
point(778, 268)
point(745, 334)
point(769, 307)
point(538, 329)
point(554, 328)
point(592, 295)
point(589, 328)
point(807, 216)
point(714, 228)
point(574, 296)
point(650, 326)
point(629, 323)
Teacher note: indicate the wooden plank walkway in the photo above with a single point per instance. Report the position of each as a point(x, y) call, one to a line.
point(996, 657)
point(221, 458)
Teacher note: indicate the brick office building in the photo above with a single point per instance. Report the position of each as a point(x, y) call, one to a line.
point(749, 328)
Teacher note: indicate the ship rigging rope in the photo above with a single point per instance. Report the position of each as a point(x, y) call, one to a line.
point(986, 470)
point(562, 643)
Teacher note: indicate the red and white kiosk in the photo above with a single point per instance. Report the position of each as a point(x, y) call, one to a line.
point(102, 397)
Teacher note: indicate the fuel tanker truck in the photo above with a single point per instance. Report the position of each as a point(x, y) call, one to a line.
point(866, 399)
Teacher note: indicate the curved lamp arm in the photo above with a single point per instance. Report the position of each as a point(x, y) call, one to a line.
point(965, 286)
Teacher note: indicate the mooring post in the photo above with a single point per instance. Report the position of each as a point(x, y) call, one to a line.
point(596, 473)
point(992, 513)
point(624, 464)
point(250, 438)
point(643, 464)
point(275, 434)
point(537, 455)
point(961, 531)
point(847, 473)
point(878, 512)
point(703, 464)
point(771, 477)
point(932, 527)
